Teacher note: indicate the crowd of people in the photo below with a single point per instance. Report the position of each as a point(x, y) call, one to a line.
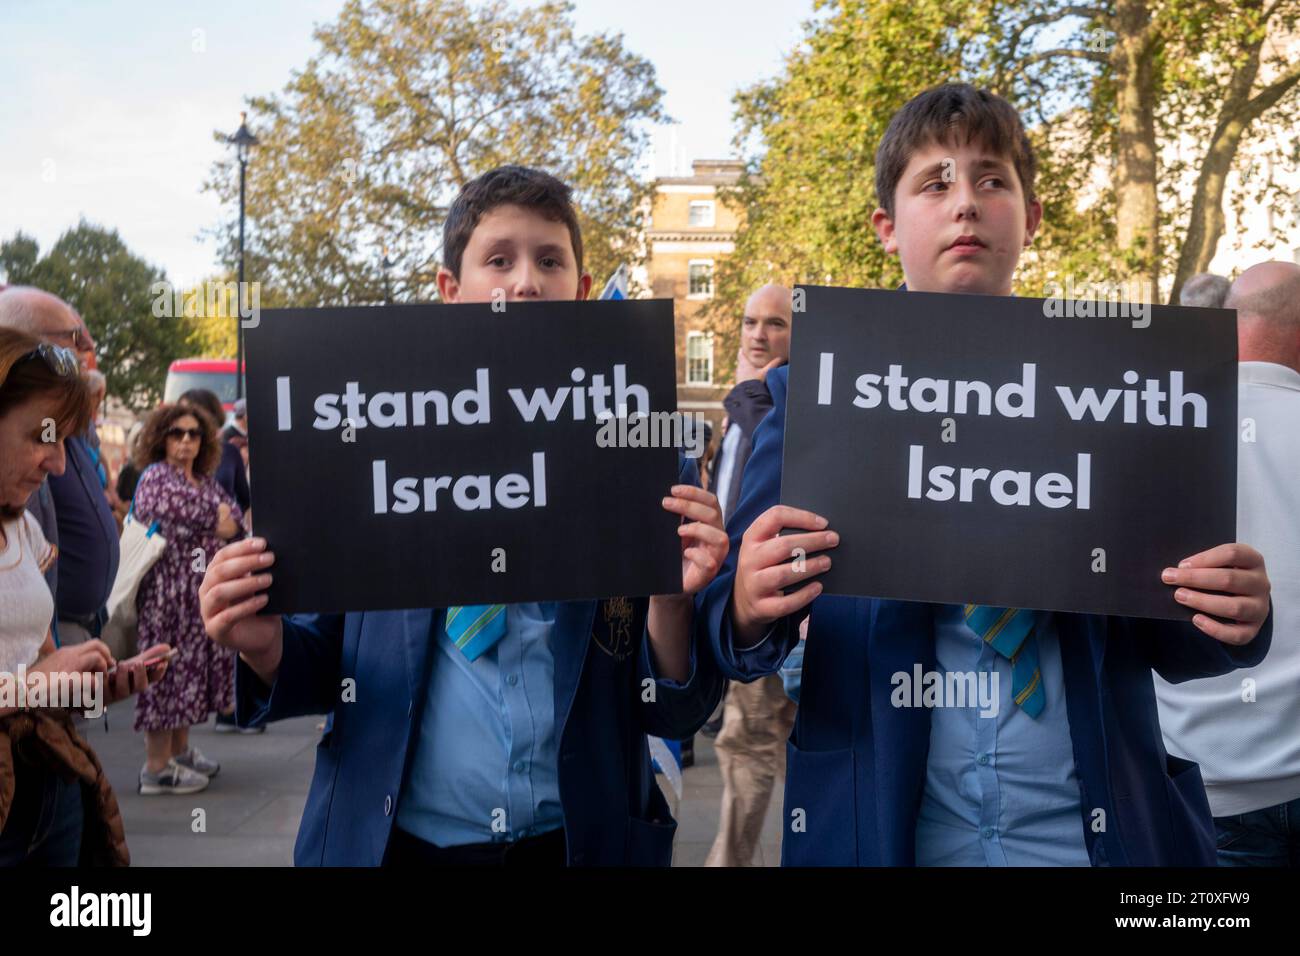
point(510, 736)
point(186, 473)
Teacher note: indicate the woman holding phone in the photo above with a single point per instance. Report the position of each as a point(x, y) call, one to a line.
point(56, 805)
point(178, 453)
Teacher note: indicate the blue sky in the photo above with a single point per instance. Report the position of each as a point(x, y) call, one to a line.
point(108, 109)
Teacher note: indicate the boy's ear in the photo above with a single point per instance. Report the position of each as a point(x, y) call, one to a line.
point(1033, 216)
point(448, 286)
point(584, 286)
point(884, 227)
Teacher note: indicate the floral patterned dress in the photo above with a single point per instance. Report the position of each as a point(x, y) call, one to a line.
point(200, 679)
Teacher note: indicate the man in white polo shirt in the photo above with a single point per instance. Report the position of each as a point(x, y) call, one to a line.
point(1243, 728)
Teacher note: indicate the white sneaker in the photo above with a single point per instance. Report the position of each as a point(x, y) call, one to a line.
point(173, 778)
point(193, 759)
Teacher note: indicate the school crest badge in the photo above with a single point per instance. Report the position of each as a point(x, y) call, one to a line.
point(612, 627)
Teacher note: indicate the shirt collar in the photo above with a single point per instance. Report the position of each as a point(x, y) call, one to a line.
point(1268, 373)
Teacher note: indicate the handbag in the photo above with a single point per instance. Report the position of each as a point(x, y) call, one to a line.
point(141, 548)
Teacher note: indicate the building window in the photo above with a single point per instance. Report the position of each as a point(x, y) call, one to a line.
point(701, 213)
point(699, 358)
point(700, 272)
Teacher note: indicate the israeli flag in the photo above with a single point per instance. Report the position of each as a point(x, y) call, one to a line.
point(666, 758)
point(616, 287)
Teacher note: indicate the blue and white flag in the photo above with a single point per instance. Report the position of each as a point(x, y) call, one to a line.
point(616, 287)
point(666, 758)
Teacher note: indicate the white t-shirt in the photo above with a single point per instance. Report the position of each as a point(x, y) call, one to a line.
point(26, 605)
point(1241, 727)
point(726, 467)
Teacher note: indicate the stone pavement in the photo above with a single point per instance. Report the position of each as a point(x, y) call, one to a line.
point(251, 809)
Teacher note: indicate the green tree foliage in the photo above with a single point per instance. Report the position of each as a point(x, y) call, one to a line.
point(1137, 110)
point(405, 102)
point(210, 310)
point(1172, 96)
point(808, 195)
point(91, 269)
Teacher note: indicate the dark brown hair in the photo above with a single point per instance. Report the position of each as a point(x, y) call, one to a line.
point(940, 115)
point(507, 186)
point(151, 446)
point(25, 378)
point(207, 400)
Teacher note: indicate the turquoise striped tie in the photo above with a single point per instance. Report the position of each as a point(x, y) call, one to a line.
point(1009, 631)
point(474, 628)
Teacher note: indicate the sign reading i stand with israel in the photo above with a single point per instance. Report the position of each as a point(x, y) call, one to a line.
point(1010, 451)
point(425, 455)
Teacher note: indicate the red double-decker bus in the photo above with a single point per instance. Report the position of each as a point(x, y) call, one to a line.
point(217, 375)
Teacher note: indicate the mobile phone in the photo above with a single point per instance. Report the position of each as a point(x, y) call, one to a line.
point(152, 663)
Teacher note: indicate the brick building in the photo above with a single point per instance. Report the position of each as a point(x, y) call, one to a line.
point(689, 231)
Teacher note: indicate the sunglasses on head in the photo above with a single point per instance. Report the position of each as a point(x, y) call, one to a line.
point(179, 433)
point(62, 361)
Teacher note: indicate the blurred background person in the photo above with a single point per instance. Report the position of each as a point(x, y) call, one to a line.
point(83, 527)
point(230, 473)
point(756, 717)
point(764, 345)
point(83, 345)
point(177, 454)
point(129, 474)
point(1241, 727)
point(236, 433)
point(59, 808)
point(237, 428)
point(1205, 290)
point(98, 386)
point(707, 455)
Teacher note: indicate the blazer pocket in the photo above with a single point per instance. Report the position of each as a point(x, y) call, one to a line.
point(820, 814)
point(649, 844)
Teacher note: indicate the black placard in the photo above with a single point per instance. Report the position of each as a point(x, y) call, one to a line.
point(601, 531)
point(1154, 493)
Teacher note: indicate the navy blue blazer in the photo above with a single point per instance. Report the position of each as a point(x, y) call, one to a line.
point(856, 765)
point(614, 812)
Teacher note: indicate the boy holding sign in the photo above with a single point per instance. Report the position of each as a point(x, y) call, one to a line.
point(485, 734)
point(1055, 756)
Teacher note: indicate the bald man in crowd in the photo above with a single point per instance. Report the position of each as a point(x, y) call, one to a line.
point(1242, 728)
point(71, 507)
point(757, 717)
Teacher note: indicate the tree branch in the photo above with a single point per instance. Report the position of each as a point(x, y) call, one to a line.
point(1071, 10)
point(1019, 68)
point(1269, 11)
point(1092, 13)
point(1073, 52)
point(1269, 95)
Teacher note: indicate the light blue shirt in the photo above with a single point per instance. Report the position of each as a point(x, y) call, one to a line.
point(485, 762)
point(999, 790)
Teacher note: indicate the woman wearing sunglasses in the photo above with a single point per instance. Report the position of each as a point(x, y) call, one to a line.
point(178, 453)
point(56, 806)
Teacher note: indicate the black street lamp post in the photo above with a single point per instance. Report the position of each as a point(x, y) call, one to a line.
point(385, 264)
point(243, 141)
